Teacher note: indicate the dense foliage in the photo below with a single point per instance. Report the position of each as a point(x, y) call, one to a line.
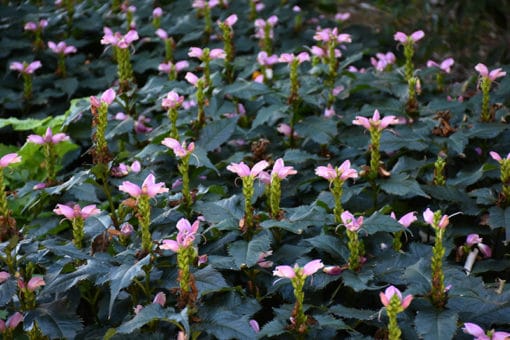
point(247, 169)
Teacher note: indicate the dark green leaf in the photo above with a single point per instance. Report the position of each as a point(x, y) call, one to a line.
point(433, 325)
point(215, 133)
point(208, 280)
point(55, 320)
point(246, 254)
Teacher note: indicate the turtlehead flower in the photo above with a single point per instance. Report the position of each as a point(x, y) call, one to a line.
point(405, 220)
point(48, 138)
point(157, 12)
point(260, 25)
point(343, 172)
point(204, 3)
point(428, 217)
point(61, 48)
point(285, 130)
point(243, 170)
point(75, 211)
point(160, 299)
point(107, 98)
point(342, 16)
point(375, 122)
point(390, 292)
point(12, 322)
point(492, 75)
point(414, 37)
point(290, 57)
point(445, 65)
point(350, 222)
point(149, 188)
point(191, 78)
point(479, 334)
point(185, 236)
point(230, 20)
point(117, 39)
point(282, 171)
point(475, 239)
point(266, 60)
point(328, 34)
point(4, 276)
point(169, 66)
point(498, 158)
point(254, 325)
point(172, 100)
point(215, 53)
point(32, 26)
point(34, 283)
point(180, 150)
point(382, 60)
point(25, 68)
point(288, 272)
point(9, 159)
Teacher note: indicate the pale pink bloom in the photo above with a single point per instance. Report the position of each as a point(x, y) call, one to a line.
point(254, 325)
point(180, 150)
point(285, 130)
point(188, 104)
point(170, 67)
point(375, 122)
point(265, 177)
point(354, 69)
point(231, 20)
point(120, 116)
point(388, 294)
point(405, 220)
point(414, 37)
point(289, 272)
point(185, 236)
point(492, 75)
point(475, 330)
point(296, 9)
point(4, 276)
point(8, 159)
point(203, 3)
point(382, 60)
point(290, 57)
point(75, 211)
point(157, 12)
point(446, 65)
point(32, 26)
point(329, 112)
point(120, 171)
point(342, 16)
point(107, 98)
point(172, 101)
point(260, 25)
point(202, 259)
point(475, 239)
point(126, 229)
point(140, 124)
point(282, 171)
point(195, 52)
point(14, 320)
point(428, 217)
point(328, 34)
point(217, 53)
point(25, 67)
point(48, 138)
point(191, 78)
point(262, 262)
point(265, 60)
point(498, 158)
point(332, 270)
point(136, 167)
point(350, 222)
point(318, 51)
point(343, 172)
point(61, 48)
point(169, 245)
point(160, 299)
point(117, 39)
point(337, 90)
point(243, 170)
point(149, 187)
point(35, 282)
point(162, 34)
point(312, 267)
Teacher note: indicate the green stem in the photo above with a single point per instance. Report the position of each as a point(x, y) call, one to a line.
point(144, 218)
point(485, 86)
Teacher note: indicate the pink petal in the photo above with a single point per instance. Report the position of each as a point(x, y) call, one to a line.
point(89, 210)
point(257, 168)
point(130, 188)
point(474, 330)
point(4, 276)
point(195, 52)
point(417, 35)
point(485, 249)
point(362, 121)
point(35, 282)
point(284, 272)
point(428, 216)
point(384, 299)
point(312, 267)
point(401, 37)
point(160, 299)
point(14, 320)
point(108, 96)
point(170, 245)
point(407, 301)
point(65, 210)
point(9, 158)
point(482, 69)
point(495, 156)
point(241, 169)
point(408, 219)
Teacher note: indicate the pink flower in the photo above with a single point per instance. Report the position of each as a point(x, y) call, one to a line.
point(388, 294)
point(160, 299)
point(350, 222)
point(172, 101)
point(149, 187)
point(262, 262)
point(32, 26)
point(289, 272)
point(157, 12)
point(265, 60)
point(75, 211)
point(282, 171)
point(260, 25)
point(414, 37)
point(185, 236)
point(428, 217)
point(196, 52)
point(475, 239)
point(290, 57)
point(405, 220)
point(117, 39)
point(446, 65)
point(332, 270)
point(498, 158)
point(8, 159)
point(480, 334)
point(140, 124)
point(329, 112)
point(170, 67)
point(48, 138)
point(4, 276)
point(126, 229)
point(191, 78)
point(14, 320)
point(375, 122)
point(342, 16)
point(61, 48)
point(162, 34)
point(35, 282)
point(180, 150)
point(382, 60)
point(328, 34)
point(217, 53)
point(285, 130)
point(254, 325)
point(231, 20)
point(242, 170)
point(25, 67)
point(343, 172)
point(492, 75)
point(107, 98)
